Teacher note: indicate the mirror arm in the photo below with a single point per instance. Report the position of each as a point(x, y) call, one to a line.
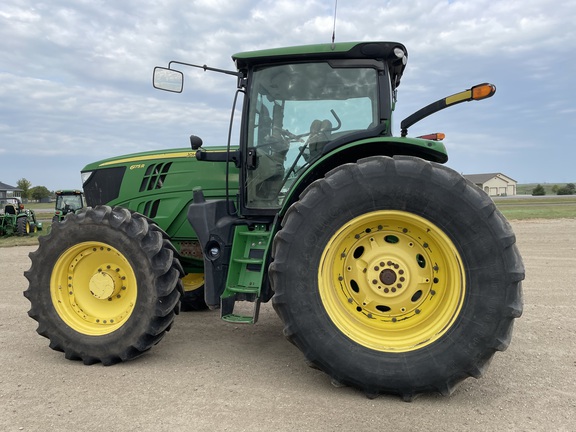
point(206, 68)
point(478, 92)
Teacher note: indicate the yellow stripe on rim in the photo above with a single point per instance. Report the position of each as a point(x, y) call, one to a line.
point(93, 288)
point(391, 281)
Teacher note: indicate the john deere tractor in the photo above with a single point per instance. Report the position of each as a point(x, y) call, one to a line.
point(17, 220)
point(67, 201)
point(391, 272)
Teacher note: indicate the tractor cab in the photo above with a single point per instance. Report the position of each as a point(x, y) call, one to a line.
point(67, 201)
point(289, 125)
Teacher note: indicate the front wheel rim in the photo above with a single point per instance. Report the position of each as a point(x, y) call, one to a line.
point(391, 281)
point(93, 288)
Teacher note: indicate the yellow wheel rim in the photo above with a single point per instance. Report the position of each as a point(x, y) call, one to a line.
point(93, 288)
point(391, 281)
point(193, 281)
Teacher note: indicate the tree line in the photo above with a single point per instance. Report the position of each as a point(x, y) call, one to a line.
point(35, 193)
point(569, 189)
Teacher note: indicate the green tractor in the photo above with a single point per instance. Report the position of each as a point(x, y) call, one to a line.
point(67, 201)
point(391, 272)
point(17, 220)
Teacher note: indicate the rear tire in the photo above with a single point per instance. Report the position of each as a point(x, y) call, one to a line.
point(22, 226)
point(397, 276)
point(104, 285)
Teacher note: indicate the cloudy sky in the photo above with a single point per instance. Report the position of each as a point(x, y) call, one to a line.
point(76, 76)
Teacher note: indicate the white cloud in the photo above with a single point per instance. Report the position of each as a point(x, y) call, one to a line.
point(76, 74)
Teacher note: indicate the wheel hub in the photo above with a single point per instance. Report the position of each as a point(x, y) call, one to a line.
point(101, 285)
point(388, 276)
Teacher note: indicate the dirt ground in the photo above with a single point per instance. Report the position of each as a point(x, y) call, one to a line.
point(207, 375)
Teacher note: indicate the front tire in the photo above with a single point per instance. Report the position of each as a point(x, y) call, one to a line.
point(104, 285)
point(396, 276)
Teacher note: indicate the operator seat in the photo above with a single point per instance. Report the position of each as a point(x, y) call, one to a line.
point(10, 209)
point(320, 135)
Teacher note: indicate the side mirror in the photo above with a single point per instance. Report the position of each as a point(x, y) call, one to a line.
point(195, 142)
point(168, 79)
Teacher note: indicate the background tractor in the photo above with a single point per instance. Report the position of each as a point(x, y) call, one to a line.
point(17, 220)
point(390, 271)
point(67, 201)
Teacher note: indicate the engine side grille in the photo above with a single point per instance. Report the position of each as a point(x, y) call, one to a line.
point(103, 186)
point(155, 176)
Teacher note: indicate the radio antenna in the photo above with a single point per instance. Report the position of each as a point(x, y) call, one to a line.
point(334, 25)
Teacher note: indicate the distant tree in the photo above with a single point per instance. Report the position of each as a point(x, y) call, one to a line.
point(569, 189)
point(555, 188)
point(25, 185)
point(538, 190)
point(39, 192)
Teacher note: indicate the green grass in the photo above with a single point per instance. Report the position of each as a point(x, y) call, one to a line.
point(29, 240)
point(43, 207)
point(553, 207)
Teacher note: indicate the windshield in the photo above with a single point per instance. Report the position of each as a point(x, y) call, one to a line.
point(295, 110)
point(69, 202)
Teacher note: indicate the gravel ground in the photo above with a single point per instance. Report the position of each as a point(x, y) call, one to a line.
point(207, 375)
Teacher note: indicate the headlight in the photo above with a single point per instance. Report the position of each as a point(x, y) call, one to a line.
point(86, 176)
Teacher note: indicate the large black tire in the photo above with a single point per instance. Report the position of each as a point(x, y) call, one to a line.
point(22, 226)
point(397, 275)
point(104, 285)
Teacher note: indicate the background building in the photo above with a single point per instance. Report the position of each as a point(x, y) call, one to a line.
point(494, 184)
point(7, 191)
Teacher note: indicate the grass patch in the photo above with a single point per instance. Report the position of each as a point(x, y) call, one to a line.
point(29, 240)
point(553, 207)
point(40, 206)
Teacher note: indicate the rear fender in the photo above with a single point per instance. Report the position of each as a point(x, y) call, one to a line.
point(434, 151)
